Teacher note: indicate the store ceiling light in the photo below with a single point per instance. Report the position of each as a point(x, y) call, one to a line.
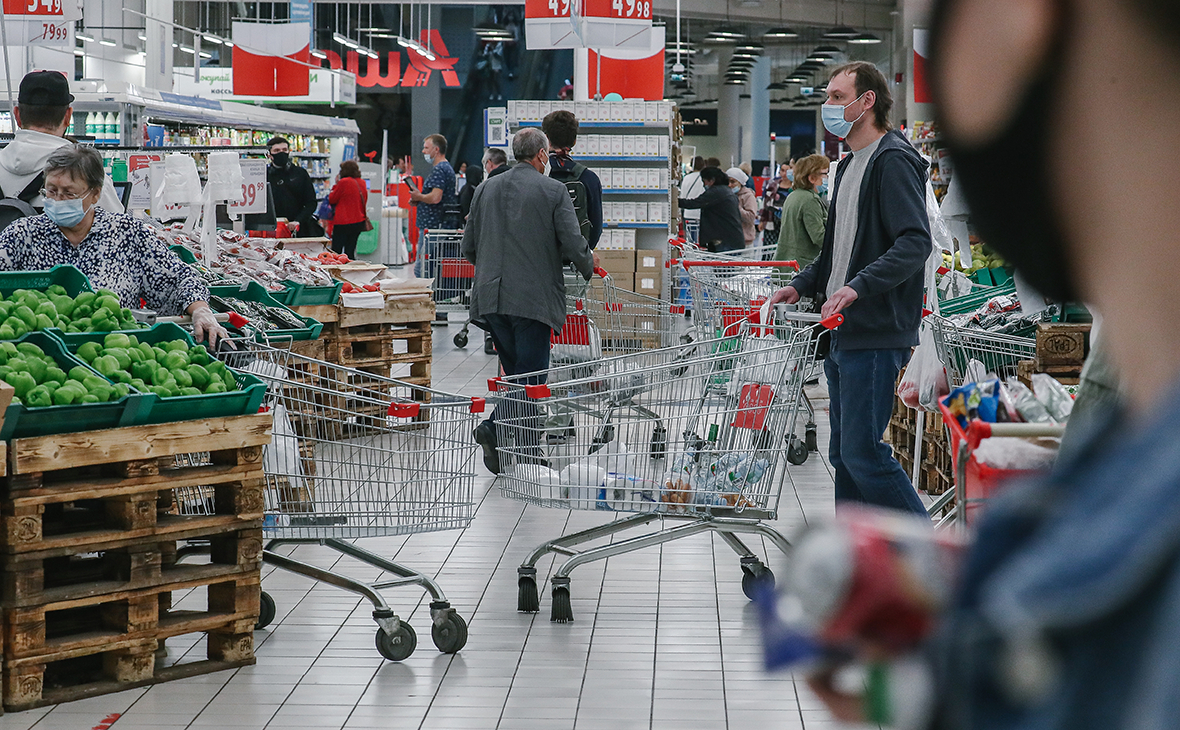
point(79, 52)
point(779, 34)
point(841, 32)
point(345, 40)
point(390, 36)
point(213, 39)
point(750, 47)
point(372, 54)
point(735, 82)
point(319, 54)
point(865, 39)
point(84, 37)
point(821, 60)
point(829, 50)
point(108, 42)
point(143, 35)
point(404, 42)
point(724, 34)
point(186, 49)
point(228, 44)
point(203, 54)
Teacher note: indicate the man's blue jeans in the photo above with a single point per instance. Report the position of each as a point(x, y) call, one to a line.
point(861, 384)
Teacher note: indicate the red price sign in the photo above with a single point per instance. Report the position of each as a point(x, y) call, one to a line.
point(253, 188)
point(32, 7)
point(547, 8)
point(627, 9)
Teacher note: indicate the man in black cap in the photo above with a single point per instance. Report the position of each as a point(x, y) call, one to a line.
point(43, 115)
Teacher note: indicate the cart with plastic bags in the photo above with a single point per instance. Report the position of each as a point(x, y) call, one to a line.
point(695, 435)
point(355, 455)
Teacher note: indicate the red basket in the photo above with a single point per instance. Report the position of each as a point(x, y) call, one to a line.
point(456, 269)
point(982, 481)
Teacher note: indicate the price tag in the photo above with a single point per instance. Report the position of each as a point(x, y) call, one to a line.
point(628, 9)
point(156, 178)
point(547, 8)
point(138, 169)
point(253, 188)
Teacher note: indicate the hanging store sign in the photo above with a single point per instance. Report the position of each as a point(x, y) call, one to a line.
point(271, 59)
point(40, 22)
point(324, 87)
point(588, 24)
point(629, 72)
point(548, 24)
point(419, 70)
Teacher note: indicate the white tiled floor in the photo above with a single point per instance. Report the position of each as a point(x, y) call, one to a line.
point(662, 638)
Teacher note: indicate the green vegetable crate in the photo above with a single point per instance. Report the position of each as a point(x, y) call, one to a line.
point(64, 275)
point(255, 292)
point(304, 295)
point(21, 420)
point(158, 409)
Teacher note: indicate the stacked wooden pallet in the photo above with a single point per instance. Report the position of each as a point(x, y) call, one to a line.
point(391, 342)
point(935, 473)
point(89, 525)
point(1061, 353)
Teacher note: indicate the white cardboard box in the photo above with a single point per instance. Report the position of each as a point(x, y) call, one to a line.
point(592, 142)
point(663, 178)
point(629, 178)
point(653, 178)
point(617, 178)
point(628, 239)
point(628, 212)
point(665, 144)
point(616, 145)
point(628, 145)
point(651, 110)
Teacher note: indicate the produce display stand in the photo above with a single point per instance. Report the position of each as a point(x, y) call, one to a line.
point(89, 555)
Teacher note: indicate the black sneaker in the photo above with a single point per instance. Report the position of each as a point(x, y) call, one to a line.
point(485, 436)
point(489, 347)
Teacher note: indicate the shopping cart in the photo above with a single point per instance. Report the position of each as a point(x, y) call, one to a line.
point(356, 455)
point(958, 346)
point(627, 321)
point(724, 288)
point(453, 276)
point(694, 434)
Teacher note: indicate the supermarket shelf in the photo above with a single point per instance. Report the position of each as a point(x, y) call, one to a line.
point(607, 125)
point(621, 158)
point(635, 191)
point(321, 155)
point(635, 225)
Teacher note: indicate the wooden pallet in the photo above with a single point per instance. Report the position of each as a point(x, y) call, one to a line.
point(70, 650)
point(337, 317)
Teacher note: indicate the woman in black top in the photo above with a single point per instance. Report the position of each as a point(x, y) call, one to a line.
point(474, 178)
point(721, 221)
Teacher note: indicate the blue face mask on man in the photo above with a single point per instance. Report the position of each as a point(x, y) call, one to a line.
point(834, 121)
point(66, 213)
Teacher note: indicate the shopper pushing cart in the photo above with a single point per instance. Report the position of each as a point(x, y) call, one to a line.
point(696, 435)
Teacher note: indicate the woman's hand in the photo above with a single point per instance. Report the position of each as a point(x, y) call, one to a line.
point(206, 326)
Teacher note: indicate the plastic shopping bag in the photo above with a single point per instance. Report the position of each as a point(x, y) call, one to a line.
point(925, 381)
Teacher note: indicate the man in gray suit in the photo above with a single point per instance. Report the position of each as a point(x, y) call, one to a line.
point(521, 227)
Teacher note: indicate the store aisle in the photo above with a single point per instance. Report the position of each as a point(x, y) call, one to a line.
point(661, 639)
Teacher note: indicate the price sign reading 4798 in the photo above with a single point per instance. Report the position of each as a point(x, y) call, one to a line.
point(631, 8)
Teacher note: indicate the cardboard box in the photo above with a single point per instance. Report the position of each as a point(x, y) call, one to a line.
point(615, 110)
point(653, 179)
point(629, 212)
point(593, 145)
point(616, 144)
point(628, 242)
point(649, 283)
point(664, 178)
point(649, 262)
point(620, 264)
point(628, 178)
point(628, 145)
point(651, 110)
point(618, 178)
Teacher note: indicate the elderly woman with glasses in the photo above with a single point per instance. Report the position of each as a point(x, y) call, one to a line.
point(116, 251)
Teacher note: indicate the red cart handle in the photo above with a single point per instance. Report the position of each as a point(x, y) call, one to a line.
point(602, 273)
point(833, 322)
point(477, 404)
point(237, 320)
point(403, 409)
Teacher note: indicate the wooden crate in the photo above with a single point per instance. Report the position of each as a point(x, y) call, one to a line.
point(1064, 374)
point(337, 317)
point(69, 650)
point(1062, 345)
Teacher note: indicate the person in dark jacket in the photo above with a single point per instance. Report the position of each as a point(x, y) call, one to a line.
point(474, 178)
point(349, 195)
point(495, 162)
point(721, 219)
point(876, 242)
point(291, 186)
point(561, 127)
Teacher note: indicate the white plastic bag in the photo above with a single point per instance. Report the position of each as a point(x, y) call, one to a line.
point(925, 381)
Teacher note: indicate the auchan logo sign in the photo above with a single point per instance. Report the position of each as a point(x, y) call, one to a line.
point(418, 72)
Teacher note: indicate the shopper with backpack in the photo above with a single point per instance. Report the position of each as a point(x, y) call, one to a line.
point(42, 115)
point(585, 189)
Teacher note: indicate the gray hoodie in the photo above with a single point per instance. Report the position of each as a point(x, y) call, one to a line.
point(25, 156)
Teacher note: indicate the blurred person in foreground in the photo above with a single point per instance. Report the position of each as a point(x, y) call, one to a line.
point(1068, 612)
point(522, 225)
point(805, 214)
point(876, 243)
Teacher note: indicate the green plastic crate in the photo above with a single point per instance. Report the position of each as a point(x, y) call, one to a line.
point(21, 421)
point(183, 253)
point(255, 292)
point(974, 300)
point(156, 409)
point(65, 275)
point(304, 295)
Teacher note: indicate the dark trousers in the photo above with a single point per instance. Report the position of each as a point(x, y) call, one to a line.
point(861, 386)
point(523, 347)
point(344, 238)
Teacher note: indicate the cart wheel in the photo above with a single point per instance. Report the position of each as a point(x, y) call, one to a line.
point(527, 599)
point(562, 610)
point(797, 452)
point(399, 646)
point(461, 340)
point(266, 611)
point(659, 442)
point(755, 579)
point(452, 635)
point(809, 437)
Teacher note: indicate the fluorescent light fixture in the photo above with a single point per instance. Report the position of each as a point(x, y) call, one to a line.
point(383, 35)
point(865, 39)
point(84, 37)
point(79, 52)
point(143, 35)
point(109, 42)
point(203, 54)
point(319, 54)
point(840, 32)
point(780, 34)
point(228, 44)
point(345, 40)
point(372, 54)
point(213, 39)
point(186, 49)
point(371, 30)
point(404, 42)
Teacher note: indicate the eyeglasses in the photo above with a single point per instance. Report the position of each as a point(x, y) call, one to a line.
point(62, 195)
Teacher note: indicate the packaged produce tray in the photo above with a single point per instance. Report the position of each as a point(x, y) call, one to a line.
point(21, 421)
point(974, 300)
point(255, 292)
point(158, 409)
point(305, 295)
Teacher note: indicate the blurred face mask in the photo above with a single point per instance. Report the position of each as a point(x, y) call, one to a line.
point(1016, 215)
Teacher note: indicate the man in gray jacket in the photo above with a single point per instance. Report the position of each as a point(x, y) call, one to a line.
point(521, 227)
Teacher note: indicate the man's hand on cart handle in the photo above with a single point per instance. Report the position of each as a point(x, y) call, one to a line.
point(844, 296)
point(786, 295)
point(597, 261)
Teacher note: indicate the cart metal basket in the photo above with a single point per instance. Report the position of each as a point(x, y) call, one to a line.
point(453, 275)
point(698, 434)
point(957, 346)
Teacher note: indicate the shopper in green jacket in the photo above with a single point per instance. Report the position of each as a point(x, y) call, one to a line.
point(805, 214)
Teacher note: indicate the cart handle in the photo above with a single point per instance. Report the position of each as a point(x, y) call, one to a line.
point(832, 322)
point(602, 273)
point(404, 409)
point(744, 263)
point(237, 320)
point(477, 404)
point(978, 430)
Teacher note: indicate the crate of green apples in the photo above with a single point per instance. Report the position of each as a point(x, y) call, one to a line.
point(179, 379)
